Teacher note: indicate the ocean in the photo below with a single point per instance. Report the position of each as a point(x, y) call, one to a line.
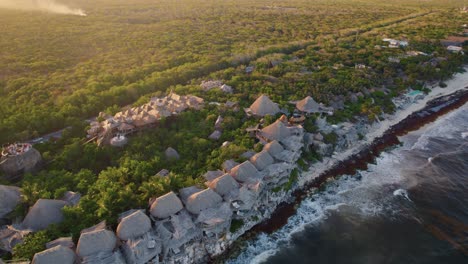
point(410, 206)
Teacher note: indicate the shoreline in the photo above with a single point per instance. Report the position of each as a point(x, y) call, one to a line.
point(380, 137)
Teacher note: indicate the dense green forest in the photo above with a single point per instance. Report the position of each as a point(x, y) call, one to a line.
point(58, 70)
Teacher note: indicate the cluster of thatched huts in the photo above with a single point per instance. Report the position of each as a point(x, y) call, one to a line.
point(216, 84)
point(41, 215)
point(114, 128)
point(18, 158)
point(194, 223)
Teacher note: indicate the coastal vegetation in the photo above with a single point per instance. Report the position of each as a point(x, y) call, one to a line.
point(125, 53)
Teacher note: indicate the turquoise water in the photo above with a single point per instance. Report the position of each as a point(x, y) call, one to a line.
point(414, 93)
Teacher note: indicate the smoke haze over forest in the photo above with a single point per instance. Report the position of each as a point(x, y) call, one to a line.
point(41, 5)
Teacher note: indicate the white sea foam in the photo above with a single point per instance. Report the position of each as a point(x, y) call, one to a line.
point(364, 194)
point(403, 193)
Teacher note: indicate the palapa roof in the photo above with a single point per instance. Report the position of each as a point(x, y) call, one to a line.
point(56, 255)
point(274, 148)
point(133, 225)
point(224, 185)
point(44, 213)
point(166, 205)
point(276, 131)
point(307, 105)
point(261, 160)
point(62, 241)
point(229, 164)
point(244, 171)
point(185, 193)
point(10, 196)
point(171, 153)
point(264, 106)
point(211, 175)
point(215, 216)
point(95, 242)
point(215, 135)
point(72, 198)
point(202, 200)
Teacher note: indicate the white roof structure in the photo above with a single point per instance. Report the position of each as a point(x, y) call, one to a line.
point(264, 106)
point(166, 205)
point(44, 213)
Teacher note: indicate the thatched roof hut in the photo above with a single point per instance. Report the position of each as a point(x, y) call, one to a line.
point(44, 213)
point(166, 205)
point(171, 153)
point(261, 160)
point(276, 131)
point(224, 185)
point(133, 225)
point(274, 148)
point(215, 135)
point(202, 200)
point(62, 241)
point(72, 198)
point(217, 219)
point(186, 192)
point(229, 164)
point(10, 196)
point(211, 175)
point(308, 105)
point(244, 172)
point(55, 255)
point(264, 106)
point(95, 242)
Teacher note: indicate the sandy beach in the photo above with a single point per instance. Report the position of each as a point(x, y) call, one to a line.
point(458, 82)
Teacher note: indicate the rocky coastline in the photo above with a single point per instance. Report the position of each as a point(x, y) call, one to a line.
point(361, 155)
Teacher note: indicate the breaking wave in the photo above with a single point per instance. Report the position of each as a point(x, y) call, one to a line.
point(430, 163)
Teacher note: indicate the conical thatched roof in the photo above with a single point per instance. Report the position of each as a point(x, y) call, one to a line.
point(244, 172)
point(10, 196)
point(133, 226)
point(202, 200)
point(224, 185)
point(264, 106)
point(55, 255)
point(261, 160)
point(276, 131)
point(307, 105)
point(166, 205)
point(44, 213)
point(171, 153)
point(95, 242)
point(274, 148)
